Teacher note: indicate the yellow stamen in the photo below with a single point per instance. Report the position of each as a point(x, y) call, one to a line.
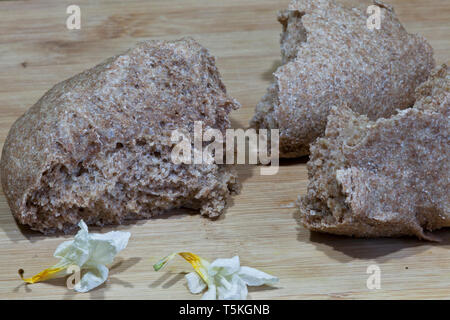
point(197, 263)
point(46, 274)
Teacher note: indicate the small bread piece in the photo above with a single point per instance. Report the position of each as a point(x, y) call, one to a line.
point(385, 178)
point(329, 54)
point(98, 146)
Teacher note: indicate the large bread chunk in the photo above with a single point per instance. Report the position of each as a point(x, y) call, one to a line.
point(329, 54)
point(385, 178)
point(98, 145)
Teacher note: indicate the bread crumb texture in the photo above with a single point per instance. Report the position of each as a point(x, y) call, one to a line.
point(98, 146)
point(388, 177)
point(330, 55)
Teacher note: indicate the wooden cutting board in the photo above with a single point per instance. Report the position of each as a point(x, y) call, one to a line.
point(37, 51)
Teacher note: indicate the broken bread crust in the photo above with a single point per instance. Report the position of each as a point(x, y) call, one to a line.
point(329, 55)
point(97, 146)
point(385, 178)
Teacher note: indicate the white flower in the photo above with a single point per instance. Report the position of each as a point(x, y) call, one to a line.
point(224, 278)
point(90, 252)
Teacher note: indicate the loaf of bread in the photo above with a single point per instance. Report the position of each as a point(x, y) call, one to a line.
point(98, 146)
point(390, 177)
point(330, 54)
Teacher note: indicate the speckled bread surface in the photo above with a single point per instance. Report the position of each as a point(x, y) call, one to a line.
point(389, 177)
point(329, 54)
point(98, 145)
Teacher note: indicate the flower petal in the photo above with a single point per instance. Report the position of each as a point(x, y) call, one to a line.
point(92, 249)
point(224, 266)
point(195, 283)
point(255, 277)
point(94, 277)
point(75, 251)
point(104, 247)
point(63, 249)
point(234, 290)
point(211, 293)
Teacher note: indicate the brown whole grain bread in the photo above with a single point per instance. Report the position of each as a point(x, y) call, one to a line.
point(97, 146)
point(389, 177)
point(329, 54)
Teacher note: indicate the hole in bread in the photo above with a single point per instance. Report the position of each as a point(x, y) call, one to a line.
point(63, 169)
point(141, 142)
point(81, 169)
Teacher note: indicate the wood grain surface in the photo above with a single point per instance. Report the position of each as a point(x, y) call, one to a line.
point(37, 51)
